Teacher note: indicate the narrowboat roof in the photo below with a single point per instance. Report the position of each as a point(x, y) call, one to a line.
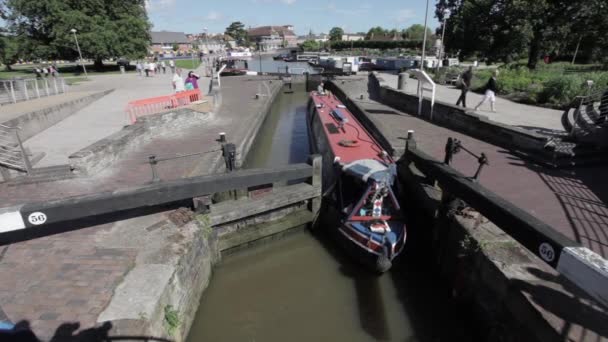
point(347, 138)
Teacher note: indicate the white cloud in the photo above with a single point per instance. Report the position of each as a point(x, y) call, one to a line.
point(404, 15)
point(288, 2)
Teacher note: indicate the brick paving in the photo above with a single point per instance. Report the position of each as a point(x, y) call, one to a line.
point(573, 201)
point(71, 276)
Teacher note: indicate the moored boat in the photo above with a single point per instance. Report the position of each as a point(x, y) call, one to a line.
point(235, 66)
point(359, 184)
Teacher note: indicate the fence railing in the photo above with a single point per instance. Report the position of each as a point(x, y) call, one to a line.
point(158, 104)
point(12, 91)
point(12, 152)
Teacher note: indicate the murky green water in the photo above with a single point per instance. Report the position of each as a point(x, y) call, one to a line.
point(303, 288)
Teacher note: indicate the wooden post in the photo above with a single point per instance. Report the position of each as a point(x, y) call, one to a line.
point(316, 161)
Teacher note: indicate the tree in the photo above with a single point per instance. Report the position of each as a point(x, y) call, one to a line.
point(109, 28)
point(175, 47)
point(237, 31)
point(311, 45)
point(416, 32)
point(335, 34)
point(374, 32)
point(9, 51)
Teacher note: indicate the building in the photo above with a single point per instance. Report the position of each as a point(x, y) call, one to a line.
point(165, 41)
point(349, 37)
point(269, 38)
point(211, 45)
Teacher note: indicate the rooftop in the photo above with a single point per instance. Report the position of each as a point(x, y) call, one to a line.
point(163, 37)
point(270, 30)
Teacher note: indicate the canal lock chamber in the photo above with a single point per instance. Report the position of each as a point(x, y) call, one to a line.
point(300, 286)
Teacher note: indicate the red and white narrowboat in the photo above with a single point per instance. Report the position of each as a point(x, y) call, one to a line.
point(360, 193)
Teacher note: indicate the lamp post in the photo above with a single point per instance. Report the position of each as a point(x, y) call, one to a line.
point(426, 15)
point(446, 15)
point(79, 53)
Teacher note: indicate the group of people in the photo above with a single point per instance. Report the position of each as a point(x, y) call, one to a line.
point(154, 67)
point(46, 71)
point(490, 89)
point(190, 83)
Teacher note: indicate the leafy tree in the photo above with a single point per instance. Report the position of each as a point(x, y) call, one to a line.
point(335, 34)
point(375, 31)
point(175, 47)
point(416, 32)
point(9, 51)
point(108, 28)
point(311, 45)
point(237, 31)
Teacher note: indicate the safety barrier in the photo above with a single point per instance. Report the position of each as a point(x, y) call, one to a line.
point(12, 91)
point(158, 104)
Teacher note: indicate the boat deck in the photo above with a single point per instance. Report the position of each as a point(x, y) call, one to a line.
point(351, 142)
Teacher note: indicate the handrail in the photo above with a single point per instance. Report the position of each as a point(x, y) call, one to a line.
point(423, 78)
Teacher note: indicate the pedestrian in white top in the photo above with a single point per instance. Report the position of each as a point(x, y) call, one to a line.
point(163, 66)
point(153, 68)
point(178, 81)
point(172, 66)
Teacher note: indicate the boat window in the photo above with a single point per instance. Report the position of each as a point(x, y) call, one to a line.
point(365, 210)
point(351, 191)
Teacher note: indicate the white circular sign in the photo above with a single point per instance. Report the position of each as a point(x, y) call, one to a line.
point(37, 218)
point(546, 252)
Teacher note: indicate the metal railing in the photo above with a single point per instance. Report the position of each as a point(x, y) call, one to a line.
point(591, 113)
point(158, 104)
point(12, 152)
point(12, 91)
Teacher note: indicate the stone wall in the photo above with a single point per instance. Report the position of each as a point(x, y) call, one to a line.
point(460, 119)
point(513, 295)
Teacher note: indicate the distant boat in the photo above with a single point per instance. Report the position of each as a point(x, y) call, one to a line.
point(235, 66)
point(359, 177)
point(238, 53)
point(281, 57)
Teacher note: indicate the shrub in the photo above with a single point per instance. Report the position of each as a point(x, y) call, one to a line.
point(561, 90)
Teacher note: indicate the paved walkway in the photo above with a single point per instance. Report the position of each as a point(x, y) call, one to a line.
point(11, 111)
point(101, 118)
point(71, 276)
point(507, 112)
point(574, 201)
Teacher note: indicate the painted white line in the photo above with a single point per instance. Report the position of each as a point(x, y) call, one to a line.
point(10, 219)
point(586, 269)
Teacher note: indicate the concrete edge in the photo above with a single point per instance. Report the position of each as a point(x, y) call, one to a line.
point(34, 122)
point(586, 269)
point(103, 153)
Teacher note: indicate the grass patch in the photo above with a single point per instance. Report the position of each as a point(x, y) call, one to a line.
point(27, 71)
point(171, 319)
point(187, 64)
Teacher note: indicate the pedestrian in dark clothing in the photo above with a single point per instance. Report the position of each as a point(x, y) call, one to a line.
point(491, 89)
point(465, 85)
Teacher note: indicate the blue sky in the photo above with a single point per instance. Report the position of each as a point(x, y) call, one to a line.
point(191, 16)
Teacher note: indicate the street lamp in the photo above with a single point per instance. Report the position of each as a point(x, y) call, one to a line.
point(446, 15)
point(79, 53)
point(426, 15)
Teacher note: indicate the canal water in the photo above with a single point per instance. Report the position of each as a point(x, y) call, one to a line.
point(303, 288)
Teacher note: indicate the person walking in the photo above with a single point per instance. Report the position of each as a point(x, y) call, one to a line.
point(163, 65)
point(192, 79)
point(178, 81)
point(139, 68)
point(147, 67)
point(465, 85)
point(172, 66)
point(490, 93)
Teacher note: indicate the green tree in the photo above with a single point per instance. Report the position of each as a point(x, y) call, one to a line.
point(109, 28)
point(237, 31)
point(175, 47)
point(416, 32)
point(335, 34)
point(374, 32)
point(311, 45)
point(9, 51)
